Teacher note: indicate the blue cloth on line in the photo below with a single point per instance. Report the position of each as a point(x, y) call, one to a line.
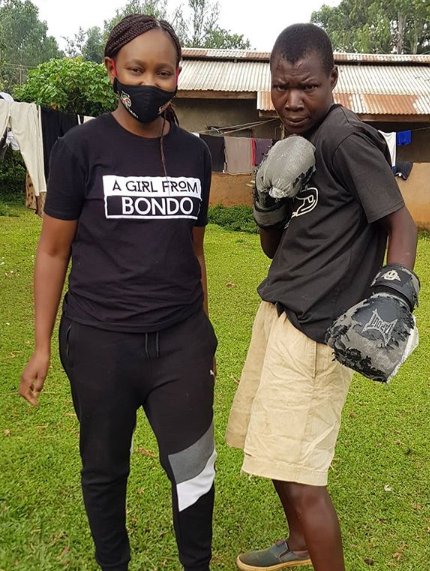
point(403, 138)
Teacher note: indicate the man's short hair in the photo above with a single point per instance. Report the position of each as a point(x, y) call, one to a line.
point(299, 40)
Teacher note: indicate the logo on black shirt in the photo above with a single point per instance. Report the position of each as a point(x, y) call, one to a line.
point(308, 201)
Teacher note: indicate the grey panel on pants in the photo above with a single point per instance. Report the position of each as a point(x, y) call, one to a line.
point(190, 462)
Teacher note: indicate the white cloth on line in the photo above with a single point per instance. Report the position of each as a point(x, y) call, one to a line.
point(4, 115)
point(391, 142)
point(24, 120)
point(10, 140)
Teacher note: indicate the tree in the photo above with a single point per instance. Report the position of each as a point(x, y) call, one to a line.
point(70, 85)
point(74, 46)
point(219, 38)
point(375, 26)
point(24, 42)
point(90, 43)
point(202, 31)
point(205, 31)
point(204, 18)
point(93, 47)
point(157, 8)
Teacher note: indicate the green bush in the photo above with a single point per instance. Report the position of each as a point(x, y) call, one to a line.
point(69, 85)
point(237, 218)
point(12, 177)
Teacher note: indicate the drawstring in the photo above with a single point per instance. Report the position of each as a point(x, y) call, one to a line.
point(146, 346)
point(157, 344)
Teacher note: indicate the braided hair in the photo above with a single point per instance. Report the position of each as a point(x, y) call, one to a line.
point(124, 32)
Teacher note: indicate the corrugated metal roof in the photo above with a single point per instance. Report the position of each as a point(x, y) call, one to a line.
point(224, 54)
point(366, 89)
point(394, 59)
point(207, 75)
point(368, 104)
point(200, 53)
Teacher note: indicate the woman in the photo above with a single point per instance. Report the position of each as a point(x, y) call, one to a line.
point(127, 201)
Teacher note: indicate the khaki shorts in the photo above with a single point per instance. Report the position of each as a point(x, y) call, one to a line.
point(287, 410)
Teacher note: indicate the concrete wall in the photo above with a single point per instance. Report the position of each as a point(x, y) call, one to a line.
point(416, 192)
point(231, 190)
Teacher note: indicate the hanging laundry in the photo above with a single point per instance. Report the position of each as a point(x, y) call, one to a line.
point(403, 138)
point(262, 147)
point(4, 115)
point(55, 124)
point(9, 138)
point(403, 169)
point(238, 155)
point(23, 118)
point(391, 142)
point(217, 150)
point(33, 202)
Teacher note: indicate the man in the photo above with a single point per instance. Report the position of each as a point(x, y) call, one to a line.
point(327, 243)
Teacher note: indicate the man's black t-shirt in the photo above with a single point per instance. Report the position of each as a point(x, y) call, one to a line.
point(133, 262)
point(333, 246)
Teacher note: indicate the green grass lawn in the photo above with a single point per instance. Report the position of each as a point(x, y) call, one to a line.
point(379, 478)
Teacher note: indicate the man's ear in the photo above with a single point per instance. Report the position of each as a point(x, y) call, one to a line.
point(334, 76)
point(111, 68)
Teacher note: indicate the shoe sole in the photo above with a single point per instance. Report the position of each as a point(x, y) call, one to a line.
point(244, 567)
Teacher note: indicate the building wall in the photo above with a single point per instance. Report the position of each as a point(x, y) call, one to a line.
point(416, 192)
point(231, 190)
point(197, 115)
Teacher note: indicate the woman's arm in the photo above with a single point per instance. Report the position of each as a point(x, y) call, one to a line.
point(198, 239)
point(52, 258)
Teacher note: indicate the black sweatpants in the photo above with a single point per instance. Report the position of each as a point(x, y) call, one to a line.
point(170, 374)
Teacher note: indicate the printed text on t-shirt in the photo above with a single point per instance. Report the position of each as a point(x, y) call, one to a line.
point(152, 197)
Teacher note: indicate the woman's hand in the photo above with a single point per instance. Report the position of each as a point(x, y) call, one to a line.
point(33, 377)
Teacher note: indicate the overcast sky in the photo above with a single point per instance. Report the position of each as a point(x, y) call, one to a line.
point(259, 20)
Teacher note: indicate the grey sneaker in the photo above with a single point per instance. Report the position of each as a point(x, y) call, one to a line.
point(278, 556)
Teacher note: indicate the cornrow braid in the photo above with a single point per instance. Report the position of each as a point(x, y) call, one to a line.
point(124, 32)
point(134, 25)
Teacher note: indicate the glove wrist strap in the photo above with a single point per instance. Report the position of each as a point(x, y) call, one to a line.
point(398, 280)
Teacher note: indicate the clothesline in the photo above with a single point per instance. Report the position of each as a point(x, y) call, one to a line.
point(234, 128)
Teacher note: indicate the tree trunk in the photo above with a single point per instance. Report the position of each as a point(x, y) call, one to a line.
point(401, 23)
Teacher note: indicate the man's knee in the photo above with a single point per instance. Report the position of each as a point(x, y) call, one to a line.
point(302, 496)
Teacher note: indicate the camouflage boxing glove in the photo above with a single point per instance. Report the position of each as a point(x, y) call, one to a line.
point(377, 335)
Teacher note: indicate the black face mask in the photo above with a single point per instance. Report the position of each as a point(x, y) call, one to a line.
point(144, 102)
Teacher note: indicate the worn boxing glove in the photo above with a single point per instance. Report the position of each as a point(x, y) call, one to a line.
point(377, 335)
point(283, 173)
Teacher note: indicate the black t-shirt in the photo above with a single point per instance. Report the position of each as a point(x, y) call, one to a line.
point(133, 262)
point(333, 246)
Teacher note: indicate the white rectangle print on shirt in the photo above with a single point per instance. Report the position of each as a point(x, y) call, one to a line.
point(149, 197)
